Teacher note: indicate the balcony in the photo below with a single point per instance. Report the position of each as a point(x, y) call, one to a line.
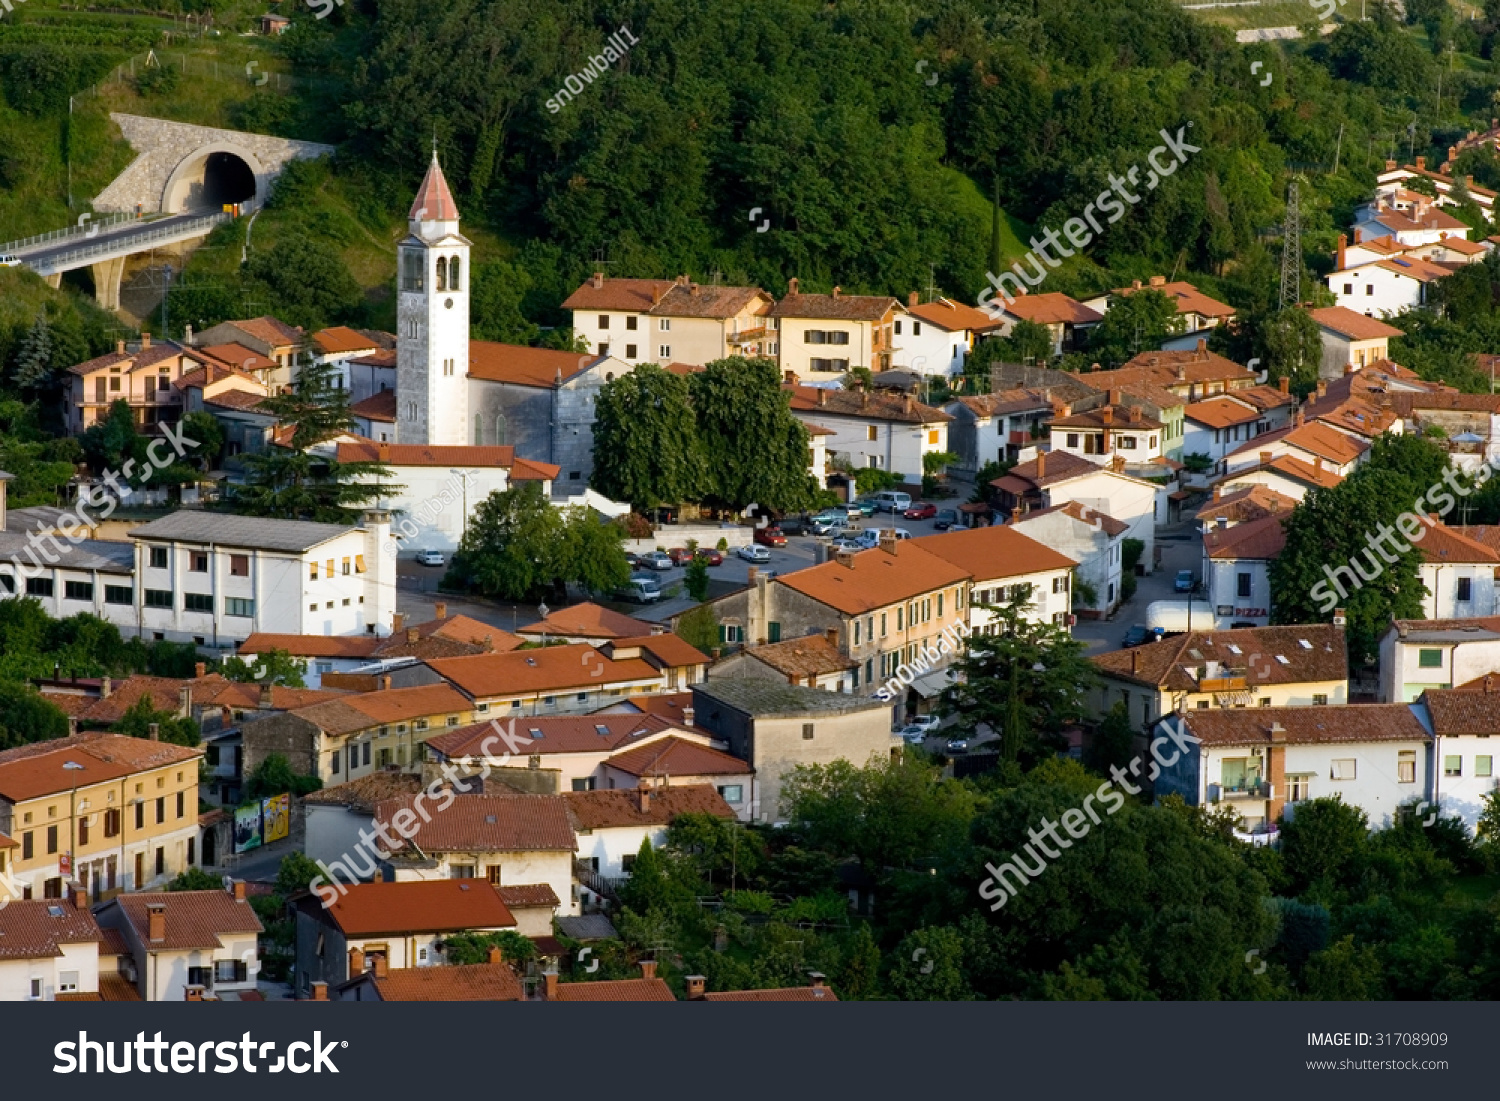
point(748, 336)
point(1247, 789)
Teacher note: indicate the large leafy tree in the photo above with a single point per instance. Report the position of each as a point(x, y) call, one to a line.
point(1135, 322)
point(758, 449)
point(26, 717)
point(170, 727)
point(518, 546)
point(296, 477)
point(1022, 682)
point(646, 444)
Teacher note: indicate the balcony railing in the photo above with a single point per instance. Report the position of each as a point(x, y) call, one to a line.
point(1248, 789)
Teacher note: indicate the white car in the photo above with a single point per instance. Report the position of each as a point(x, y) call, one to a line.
point(8, 261)
point(754, 552)
point(926, 722)
point(914, 735)
point(429, 558)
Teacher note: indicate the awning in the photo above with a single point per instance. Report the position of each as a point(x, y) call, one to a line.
point(931, 686)
point(1012, 484)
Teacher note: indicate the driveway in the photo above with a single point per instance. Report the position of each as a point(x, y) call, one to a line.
point(1181, 549)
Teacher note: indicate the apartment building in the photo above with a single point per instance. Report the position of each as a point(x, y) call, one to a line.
point(877, 429)
point(1004, 565)
point(823, 335)
point(101, 811)
point(144, 378)
point(187, 945)
point(671, 320)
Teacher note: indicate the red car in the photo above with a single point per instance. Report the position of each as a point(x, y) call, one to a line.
point(711, 557)
point(924, 511)
point(680, 556)
point(770, 537)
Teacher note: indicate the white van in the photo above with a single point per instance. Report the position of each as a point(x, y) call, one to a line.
point(640, 589)
point(891, 501)
point(9, 261)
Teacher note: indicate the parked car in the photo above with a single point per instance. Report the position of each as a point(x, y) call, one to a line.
point(827, 521)
point(657, 560)
point(794, 525)
point(680, 556)
point(1184, 582)
point(926, 722)
point(429, 558)
point(710, 557)
point(632, 560)
point(925, 511)
point(770, 537)
point(1137, 635)
point(957, 745)
point(754, 553)
point(642, 588)
point(891, 500)
point(866, 506)
point(946, 518)
point(914, 735)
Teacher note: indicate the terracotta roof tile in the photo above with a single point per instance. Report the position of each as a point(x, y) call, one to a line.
point(1356, 326)
point(35, 928)
point(952, 316)
point(525, 895)
point(341, 338)
point(1172, 663)
point(879, 405)
point(553, 734)
point(1472, 708)
point(416, 454)
point(637, 295)
point(364, 794)
point(1058, 466)
point(376, 407)
point(430, 906)
point(875, 578)
point(678, 757)
point(1189, 299)
point(1052, 308)
point(992, 552)
point(1329, 443)
point(490, 823)
point(1082, 513)
point(470, 982)
point(1442, 544)
point(392, 705)
point(671, 651)
point(117, 988)
point(524, 366)
point(596, 810)
point(434, 202)
point(271, 330)
point(104, 756)
point(311, 646)
point(553, 668)
point(587, 621)
point(840, 307)
point(195, 919)
point(1119, 417)
point(616, 990)
point(809, 656)
point(1248, 503)
point(785, 994)
point(1262, 539)
point(703, 300)
point(1221, 412)
point(1351, 723)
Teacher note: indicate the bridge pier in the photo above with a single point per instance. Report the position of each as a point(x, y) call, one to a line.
point(108, 275)
point(54, 280)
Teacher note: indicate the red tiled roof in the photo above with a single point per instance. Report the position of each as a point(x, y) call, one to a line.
point(365, 793)
point(430, 906)
point(1093, 517)
point(678, 757)
point(311, 646)
point(1051, 309)
point(785, 994)
point(376, 407)
point(597, 810)
point(341, 338)
point(1351, 723)
point(1442, 544)
point(1262, 539)
point(490, 823)
point(35, 928)
point(835, 307)
point(637, 295)
point(195, 919)
point(117, 988)
point(672, 651)
point(1220, 412)
point(616, 990)
point(554, 733)
point(993, 552)
point(809, 656)
point(1058, 466)
point(1329, 443)
point(875, 578)
point(685, 299)
point(359, 711)
point(1171, 663)
point(271, 330)
point(1472, 708)
point(553, 668)
point(524, 366)
point(1248, 503)
point(434, 202)
point(469, 982)
point(587, 620)
point(525, 895)
point(879, 405)
point(41, 771)
point(1189, 298)
point(418, 454)
point(952, 316)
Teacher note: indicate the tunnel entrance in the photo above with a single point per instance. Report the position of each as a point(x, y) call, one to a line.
point(217, 180)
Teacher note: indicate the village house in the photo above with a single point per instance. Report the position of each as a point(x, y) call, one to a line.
point(1285, 474)
point(203, 388)
point(1091, 539)
point(1421, 654)
point(335, 814)
point(1463, 723)
point(1316, 444)
point(666, 763)
point(492, 981)
point(143, 378)
point(285, 346)
point(1442, 184)
point(49, 950)
point(996, 428)
point(104, 811)
point(1197, 310)
point(338, 345)
point(1204, 669)
point(1110, 429)
point(1383, 288)
point(1004, 564)
point(942, 335)
point(822, 336)
point(1466, 426)
point(612, 825)
point(877, 429)
point(1059, 477)
point(384, 927)
point(812, 660)
point(187, 945)
point(667, 321)
point(587, 622)
point(1350, 338)
point(1418, 221)
point(1066, 320)
point(1263, 762)
point(776, 727)
point(1220, 426)
point(1236, 568)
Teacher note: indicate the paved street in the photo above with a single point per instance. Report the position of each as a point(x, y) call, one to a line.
point(1181, 549)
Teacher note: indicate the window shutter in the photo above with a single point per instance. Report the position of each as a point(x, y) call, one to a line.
point(721, 633)
point(359, 563)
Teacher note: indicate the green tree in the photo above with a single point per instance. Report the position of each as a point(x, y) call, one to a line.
point(495, 296)
point(1293, 346)
point(695, 579)
point(26, 717)
point(759, 447)
point(699, 628)
point(645, 425)
point(515, 545)
point(475, 947)
point(1343, 972)
point(929, 967)
point(1114, 741)
point(1135, 322)
point(1024, 681)
point(296, 872)
point(275, 776)
point(195, 879)
point(1324, 844)
point(594, 551)
point(205, 429)
point(170, 727)
point(33, 370)
point(308, 283)
point(1029, 342)
point(292, 481)
point(272, 667)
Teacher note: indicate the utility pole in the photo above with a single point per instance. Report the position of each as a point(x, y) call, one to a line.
point(1337, 149)
point(1291, 250)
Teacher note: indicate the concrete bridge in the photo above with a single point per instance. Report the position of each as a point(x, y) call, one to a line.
point(170, 197)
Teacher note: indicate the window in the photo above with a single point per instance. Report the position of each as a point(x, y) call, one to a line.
point(336, 761)
point(731, 633)
point(1320, 699)
point(119, 594)
point(197, 602)
point(28, 846)
point(161, 809)
point(454, 284)
point(312, 571)
point(1465, 589)
point(328, 568)
point(140, 816)
point(664, 351)
point(732, 793)
point(227, 971)
point(1242, 585)
point(411, 270)
point(1484, 766)
point(1430, 659)
point(112, 823)
point(838, 338)
point(161, 861)
point(630, 323)
point(1453, 766)
point(1127, 443)
point(79, 590)
point(83, 829)
point(1369, 290)
point(7, 582)
point(1072, 439)
point(39, 586)
point(916, 328)
point(67, 982)
point(773, 631)
point(898, 328)
point(347, 567)
point(1348, 288)
point(239, 565)
point(51, 840)
point(814, 336)
point(586, 784)
point(1342, 769)
point(630, 349)
point(239, 606)
point(1297, 788)
point(604, 321)
point(665, 325)
point(807, 732)
point(1406, 767)
point(198, 562)
point(36, 988)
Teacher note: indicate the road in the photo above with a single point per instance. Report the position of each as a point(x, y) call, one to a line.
point(1181, 549)
point(39, 255)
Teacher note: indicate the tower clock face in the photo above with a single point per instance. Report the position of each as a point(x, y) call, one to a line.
point(448, 304)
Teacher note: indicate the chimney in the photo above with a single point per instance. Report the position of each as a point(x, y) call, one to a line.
point(1218, 490)
point(1297, 420)
point(1348, 368)
point(598, 280)
point(413, 634)
point(382, 966)
point(1041, 464)
point(789, 378)
point(185, 699)
point(551, 976)
point(187, 334)
point(119, 347)
point(398, 623)
point(643, 799)
point(864, 398)
point(838, 292)
point(200, 670)
point(1284, 383)
point(844, 558)
point(1181, 373)
point(1421, 163)
point(145, 341)
point(105, 687)
point(1015, 515)
point(384, 453)
point(1278, 732)
point(822, 396)
point(385, 684)
point(1489, 684)
point(818, 979)
point(496, 954)
point(695, 985)
point(156, 922)
point(265, 703)
point(751, 574)
point(226, 715)
point(832, 635)
point(1202, 348)
point(1107, 415)
point(155, 729)
point(911, 300)
point(692, 288)
point(1339, 263)
point(1158, 280)
point(1135, 662)
point(356, 962)
point(687, 716)
point(80, 899)
point(648, 969)
point(908, 402)
point(320, 991)
point(1322, 388)
point(791, 286)
point(440, 610)
point(1265, 457)
point(489, 644)
point(1390, 166)
point(192, 993)
point(237, 890)
point(888, 540)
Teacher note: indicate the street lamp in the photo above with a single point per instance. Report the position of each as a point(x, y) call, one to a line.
point(72, 766)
